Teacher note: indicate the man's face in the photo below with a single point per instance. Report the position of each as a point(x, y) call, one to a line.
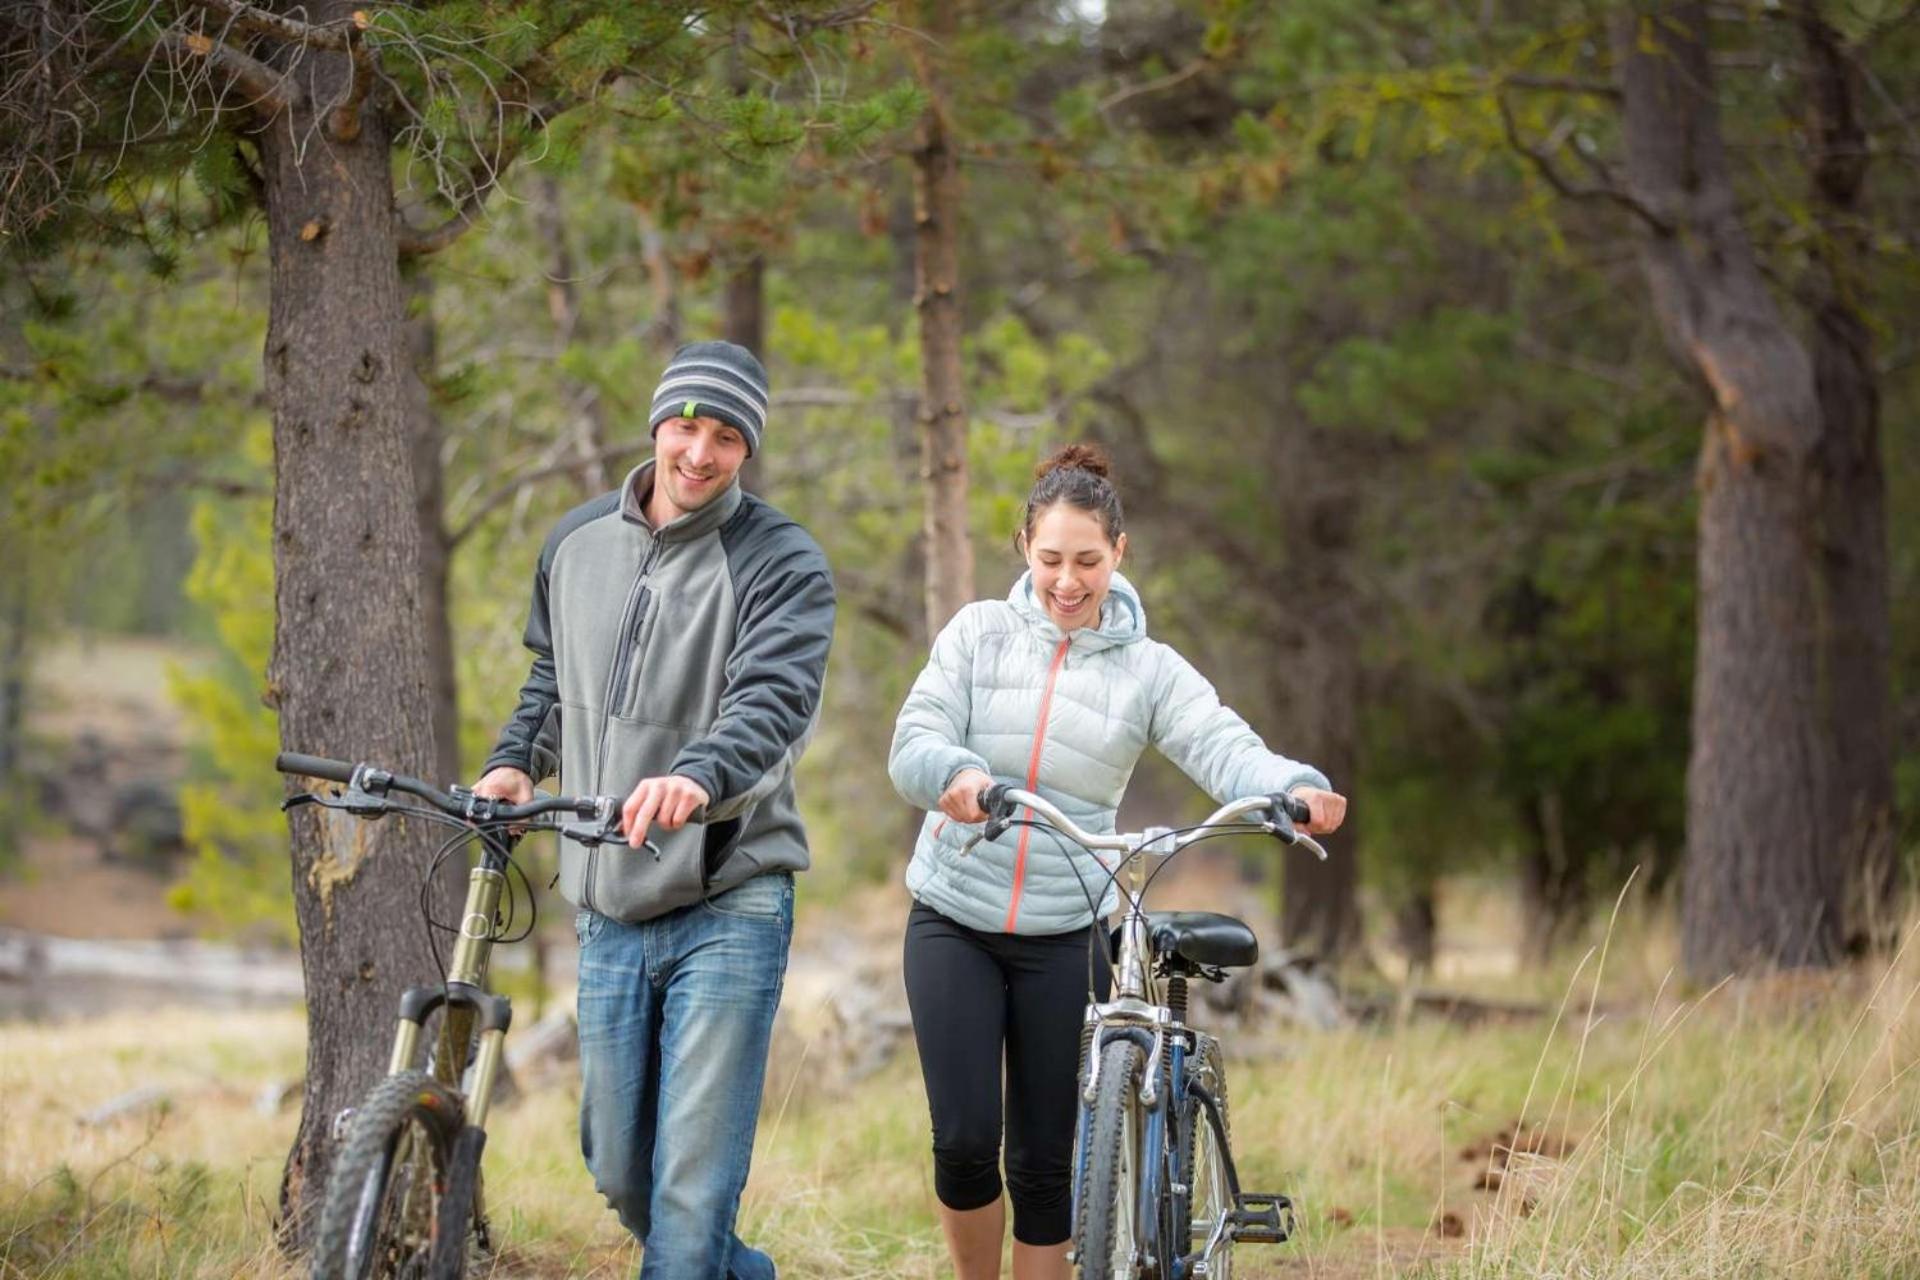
point(695, 459)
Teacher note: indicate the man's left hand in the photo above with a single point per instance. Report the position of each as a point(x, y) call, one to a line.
point(670, 801)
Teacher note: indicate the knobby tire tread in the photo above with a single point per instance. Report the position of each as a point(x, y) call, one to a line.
point(1121, 1064)
point(378, 1123)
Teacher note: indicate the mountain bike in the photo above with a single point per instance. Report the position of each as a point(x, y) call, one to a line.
point(403, 1197)
point(1156, 1192)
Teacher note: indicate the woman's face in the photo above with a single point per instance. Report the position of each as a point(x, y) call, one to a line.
point(1072, 564)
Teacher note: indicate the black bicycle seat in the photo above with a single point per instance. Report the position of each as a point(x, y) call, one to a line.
point(1203, 937)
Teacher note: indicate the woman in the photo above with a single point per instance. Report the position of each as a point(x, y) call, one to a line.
point(1058, 690)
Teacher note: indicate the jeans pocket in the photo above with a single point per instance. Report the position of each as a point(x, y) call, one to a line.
point(586, 925)
point(767, 897)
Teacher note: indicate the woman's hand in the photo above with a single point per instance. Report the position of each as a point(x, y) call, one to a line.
point(1328, 810)
point(961, 800)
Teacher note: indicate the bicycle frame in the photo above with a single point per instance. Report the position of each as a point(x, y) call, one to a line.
point(465, 984)
point(1142, 1009)
point(466, 987)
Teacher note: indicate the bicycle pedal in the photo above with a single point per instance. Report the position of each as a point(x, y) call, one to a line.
point(1260, 1219)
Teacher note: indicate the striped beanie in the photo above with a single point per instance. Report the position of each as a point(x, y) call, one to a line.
point(714, 380)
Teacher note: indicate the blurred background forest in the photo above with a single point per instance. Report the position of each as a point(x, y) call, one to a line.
point(1357, 295)
point(1512, 404)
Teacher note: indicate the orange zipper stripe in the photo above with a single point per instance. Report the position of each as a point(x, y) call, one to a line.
point(1033, 780)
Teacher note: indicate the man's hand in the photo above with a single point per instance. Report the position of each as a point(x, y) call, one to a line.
point(961, 800)
point(506, 783)
point(1328, 810)
point(670, 801)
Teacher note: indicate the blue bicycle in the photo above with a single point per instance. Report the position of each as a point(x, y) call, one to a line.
point(1155, 1190)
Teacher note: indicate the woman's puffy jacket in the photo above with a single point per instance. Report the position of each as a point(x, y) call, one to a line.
point(1066, 715)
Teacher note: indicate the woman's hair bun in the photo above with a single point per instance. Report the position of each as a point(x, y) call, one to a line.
point(1083, 457)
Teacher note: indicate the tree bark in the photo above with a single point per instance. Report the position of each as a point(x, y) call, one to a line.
point(1853, 517)
point(745, 322)
point(1759, 886)
point(350, 673)
point(1416, 931)
point(428, 436)
point(943, 405)
point(1553, 886)
point(14, 622)
point(1320, 906)
point(563, 305)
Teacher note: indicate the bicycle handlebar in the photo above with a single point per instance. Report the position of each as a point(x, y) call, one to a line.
point(314, 766)
point(461, 802)
point(1000, 800)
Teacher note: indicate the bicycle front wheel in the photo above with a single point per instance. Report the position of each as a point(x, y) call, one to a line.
point(1108, 1231)
point(383, 1208)
point(1201, 1225)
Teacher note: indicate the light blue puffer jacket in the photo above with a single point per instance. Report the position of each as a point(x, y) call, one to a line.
point(1066, 715)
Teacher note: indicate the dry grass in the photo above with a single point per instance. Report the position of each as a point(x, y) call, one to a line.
point(1763, 1128)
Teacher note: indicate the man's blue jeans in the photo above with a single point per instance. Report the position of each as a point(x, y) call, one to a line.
point(675, 1017)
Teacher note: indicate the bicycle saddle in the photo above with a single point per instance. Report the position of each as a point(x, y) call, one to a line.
point(1203, 937)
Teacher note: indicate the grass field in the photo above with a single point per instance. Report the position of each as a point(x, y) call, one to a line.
point(1767, 1128)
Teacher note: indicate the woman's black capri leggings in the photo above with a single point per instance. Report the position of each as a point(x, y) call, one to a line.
point(975, 995)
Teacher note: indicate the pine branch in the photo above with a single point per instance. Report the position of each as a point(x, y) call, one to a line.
point(482, 178)
point(337, 36)
point(343, 122)
point(1542, 158)
point(269, 92)
point(1559, 84)
point(513, 488)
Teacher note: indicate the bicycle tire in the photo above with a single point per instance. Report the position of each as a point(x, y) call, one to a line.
point(1107, 1247)
point(382, 1208)
point(459, 1211)
point(1203, 1163)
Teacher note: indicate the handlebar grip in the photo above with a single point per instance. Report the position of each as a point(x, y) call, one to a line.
point(993, 797)
point(314, 766)
point(1295, 808)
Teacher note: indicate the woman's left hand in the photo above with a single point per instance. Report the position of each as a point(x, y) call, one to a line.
point(1328, 810)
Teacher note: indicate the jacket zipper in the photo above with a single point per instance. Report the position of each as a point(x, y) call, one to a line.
point(615, 686)
point(1033, 779)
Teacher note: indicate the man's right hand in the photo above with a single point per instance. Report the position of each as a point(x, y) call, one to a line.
point(506, 783)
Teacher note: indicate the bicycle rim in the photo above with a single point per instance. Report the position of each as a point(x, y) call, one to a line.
point(1204, 1154)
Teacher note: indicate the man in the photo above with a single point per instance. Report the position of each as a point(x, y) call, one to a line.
point(680, 630)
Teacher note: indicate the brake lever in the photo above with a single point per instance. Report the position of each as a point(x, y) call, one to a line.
point(1289, 834)
point(361, 804)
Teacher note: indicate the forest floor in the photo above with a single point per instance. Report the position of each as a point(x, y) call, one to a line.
point(1761, 1128)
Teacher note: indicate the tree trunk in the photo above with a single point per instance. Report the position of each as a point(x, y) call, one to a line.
point(350, 673)
point(1416, 931)
point(14, 620)
point(1853, 517)
point(1553, 888)
point(746, 323)
point(663, 327)
point(943, 406)
point(1320, 908)
point(1759, 887)
point(428, 437)
point(563, 305)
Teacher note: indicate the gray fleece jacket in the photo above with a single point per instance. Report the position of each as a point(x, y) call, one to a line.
point(697, 648)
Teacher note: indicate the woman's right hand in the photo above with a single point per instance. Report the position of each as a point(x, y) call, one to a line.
point(961, 800)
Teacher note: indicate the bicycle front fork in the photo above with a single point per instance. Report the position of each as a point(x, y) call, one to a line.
point(465, 989)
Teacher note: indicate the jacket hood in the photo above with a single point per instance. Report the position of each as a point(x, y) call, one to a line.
point(1123, 619)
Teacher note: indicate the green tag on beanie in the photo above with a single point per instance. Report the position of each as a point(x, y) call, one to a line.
point(688, 412)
